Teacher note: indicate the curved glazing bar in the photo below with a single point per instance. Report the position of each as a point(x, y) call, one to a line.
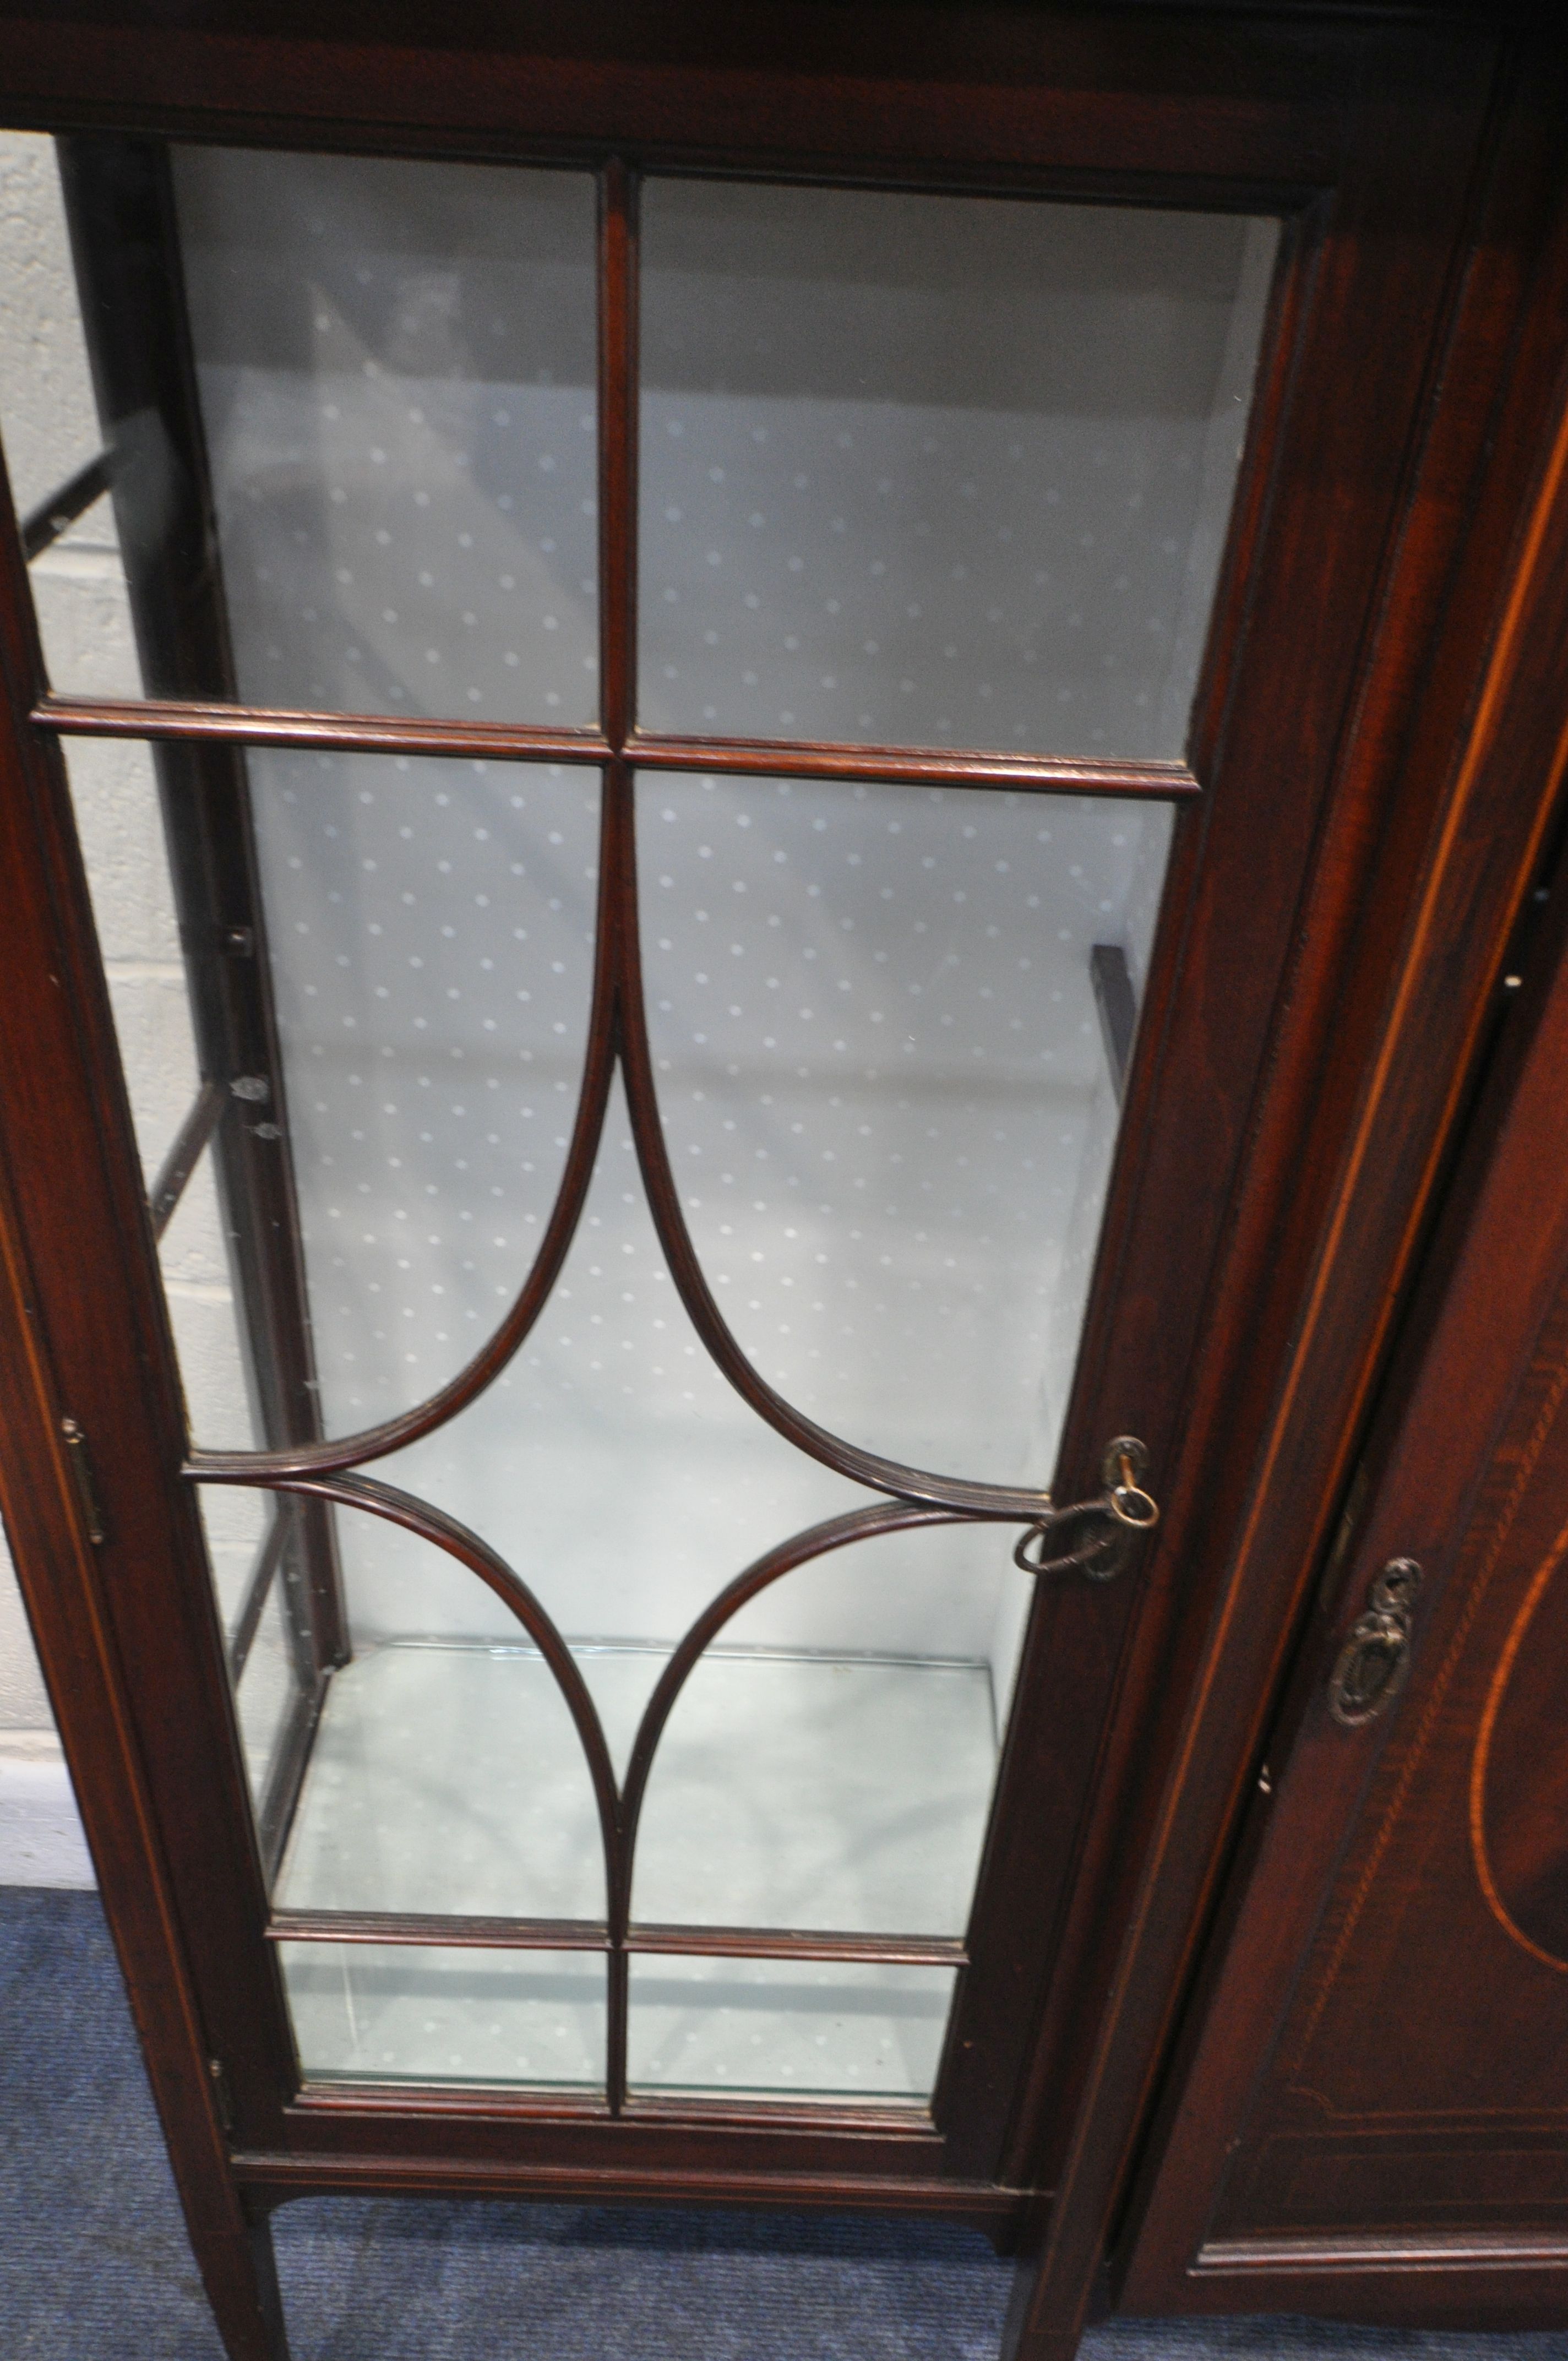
point(610, 1463)
point(841, 1780)
point(620, 1806)
point(618, 1022)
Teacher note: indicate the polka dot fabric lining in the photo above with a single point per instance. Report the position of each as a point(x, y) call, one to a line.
point(886, 1089)
point(431, 930)
point(937, 471)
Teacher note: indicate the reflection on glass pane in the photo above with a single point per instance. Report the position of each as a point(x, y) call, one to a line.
point(431, 926)
point(445, 1776)
point(385, 2013)
point(395, 367)
point(195, 1255)
point(886, 1088)
point(49, 422)
point(937, 471)
point(831, 1761)
point(396, 364)
point(782, 2028)
point(114, 804)
point(269, 1693)
point(236, 1525)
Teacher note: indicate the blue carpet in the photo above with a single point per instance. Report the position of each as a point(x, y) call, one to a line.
point(94, 2266)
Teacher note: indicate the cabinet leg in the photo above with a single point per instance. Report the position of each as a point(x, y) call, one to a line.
point(1028, 2334)
point(1048, 2308)
point(240, 2276)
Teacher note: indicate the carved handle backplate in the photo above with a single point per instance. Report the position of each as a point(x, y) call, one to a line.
point(1371, 1668)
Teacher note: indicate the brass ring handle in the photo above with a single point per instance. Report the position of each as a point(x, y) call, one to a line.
point(1374, 1661)
point(1127, 1501)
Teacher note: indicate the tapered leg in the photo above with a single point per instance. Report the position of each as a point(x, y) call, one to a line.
point(1040, 2348)
point(238, 2272)
point(1049, 2304)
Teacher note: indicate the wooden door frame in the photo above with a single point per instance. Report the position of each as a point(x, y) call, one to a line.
point(1485, 722)
point(1183, 88)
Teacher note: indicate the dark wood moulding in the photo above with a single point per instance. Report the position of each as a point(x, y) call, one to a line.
point(736, 2171)
point(165, 720)
point(467, 1933)
point(174, 719)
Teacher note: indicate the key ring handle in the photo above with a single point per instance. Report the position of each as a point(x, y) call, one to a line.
point(1123, 1502)
point(1126, 1460)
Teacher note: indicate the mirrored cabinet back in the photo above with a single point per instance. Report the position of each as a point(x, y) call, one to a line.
point(783, 1186)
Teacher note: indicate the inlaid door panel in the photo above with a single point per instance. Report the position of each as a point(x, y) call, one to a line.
point(1395, 1985)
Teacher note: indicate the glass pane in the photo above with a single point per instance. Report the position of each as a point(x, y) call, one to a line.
point(779, 2028)
point(390, 2013)
point(937, 471)
point(394, 409)
point(49, 420)
point(431, 926)
point(268, 1695)
point(446, 1774)
point(887, 1089)
point(396, 373)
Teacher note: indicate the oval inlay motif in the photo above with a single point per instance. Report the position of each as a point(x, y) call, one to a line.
point(1518, 1796)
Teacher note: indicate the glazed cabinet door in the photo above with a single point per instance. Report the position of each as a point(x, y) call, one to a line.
point(676, 839)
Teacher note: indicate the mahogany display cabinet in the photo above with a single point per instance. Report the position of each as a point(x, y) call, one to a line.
point(783, 1182)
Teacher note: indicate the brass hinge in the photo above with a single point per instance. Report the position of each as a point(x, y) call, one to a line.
point(222, 2099)
point(79, 1460)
